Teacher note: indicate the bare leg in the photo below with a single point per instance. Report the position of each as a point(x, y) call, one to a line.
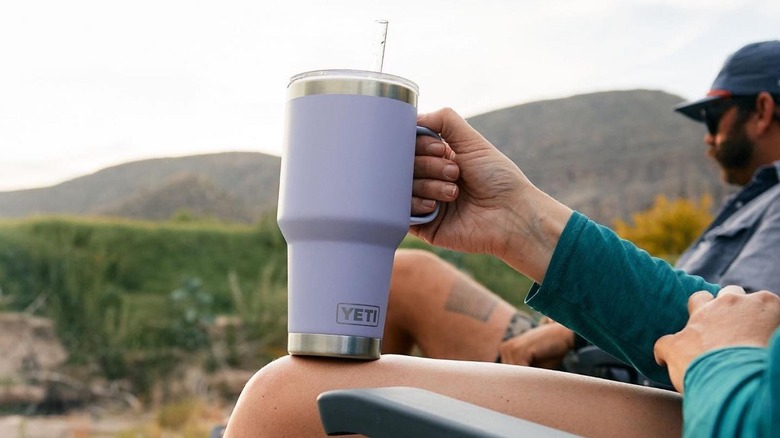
point(443, 311)
point(280, 400)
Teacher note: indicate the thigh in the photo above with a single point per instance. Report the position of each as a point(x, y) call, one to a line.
point(280, 400)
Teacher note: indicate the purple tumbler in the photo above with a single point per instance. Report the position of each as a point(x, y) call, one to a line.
point(344, 203)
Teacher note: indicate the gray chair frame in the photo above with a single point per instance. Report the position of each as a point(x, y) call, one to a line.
point(408, 412)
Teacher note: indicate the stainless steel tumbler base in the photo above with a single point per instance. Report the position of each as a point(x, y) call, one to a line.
point(350, 347)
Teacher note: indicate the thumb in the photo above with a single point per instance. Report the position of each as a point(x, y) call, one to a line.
point(454, 129)
point(695, 302)
point(661, 347)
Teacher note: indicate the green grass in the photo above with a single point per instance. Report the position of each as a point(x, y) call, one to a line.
point(131, 298)
point(156, 258)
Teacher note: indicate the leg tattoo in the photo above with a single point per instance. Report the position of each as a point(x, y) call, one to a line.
point(467, 300)
point(519, 324)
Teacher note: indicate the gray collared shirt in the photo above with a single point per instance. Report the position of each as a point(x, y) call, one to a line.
point(744, 249)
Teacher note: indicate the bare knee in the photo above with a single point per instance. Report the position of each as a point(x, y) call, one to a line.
point(416, 273)
point(275, 399)
point(415, 261)
point(260, 396)
point(416, 269)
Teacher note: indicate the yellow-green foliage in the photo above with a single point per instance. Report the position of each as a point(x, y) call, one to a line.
point(177, 415)
point(188, 418)
point(668, 227)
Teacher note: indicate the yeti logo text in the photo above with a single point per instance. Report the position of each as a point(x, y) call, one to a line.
point(357, 314)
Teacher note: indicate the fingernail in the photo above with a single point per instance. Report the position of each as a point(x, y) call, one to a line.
point(450, 171)
point(436, 149)
point(450, 190)
point(428, 203)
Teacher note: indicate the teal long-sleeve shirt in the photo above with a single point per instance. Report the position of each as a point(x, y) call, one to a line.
point(622, 299)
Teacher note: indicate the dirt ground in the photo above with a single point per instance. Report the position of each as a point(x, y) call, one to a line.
point(67, 426)
point(30, 359)
point(86, 425)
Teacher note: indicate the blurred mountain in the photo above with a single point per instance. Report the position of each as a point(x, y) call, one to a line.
point(232, 186)
point(185, 196)
point(605, 154)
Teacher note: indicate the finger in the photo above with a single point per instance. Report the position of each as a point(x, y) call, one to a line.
point(421, 206)
point(732, 290)
point(550, 364)
point(449, 154)
point(508, 357)
point(433, 147)
point(661, 347)
point(770, 298)
point(434, 189)
point(429, 146)
point(435, 167)
point(697, 300)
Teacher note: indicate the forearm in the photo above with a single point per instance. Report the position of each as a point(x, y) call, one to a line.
point(614, 294)
point(740, 404)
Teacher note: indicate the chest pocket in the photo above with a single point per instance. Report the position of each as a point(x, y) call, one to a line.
point(717, 250)
point(714, 253)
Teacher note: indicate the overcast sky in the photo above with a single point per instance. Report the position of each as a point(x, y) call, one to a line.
point(89, 84)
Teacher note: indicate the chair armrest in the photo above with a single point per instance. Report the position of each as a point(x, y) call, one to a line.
point(403, 411)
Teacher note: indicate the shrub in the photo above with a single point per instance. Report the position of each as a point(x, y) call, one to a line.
point(667, 228)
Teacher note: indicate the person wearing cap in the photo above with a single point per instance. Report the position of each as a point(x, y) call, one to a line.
point(719, 346)
point(742, 245)
point(448, 315)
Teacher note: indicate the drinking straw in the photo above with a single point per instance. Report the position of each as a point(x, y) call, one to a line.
point(379, 45)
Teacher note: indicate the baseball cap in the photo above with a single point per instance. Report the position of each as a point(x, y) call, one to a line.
point(748, 71)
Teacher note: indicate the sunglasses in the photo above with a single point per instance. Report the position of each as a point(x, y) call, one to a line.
point(714, 112)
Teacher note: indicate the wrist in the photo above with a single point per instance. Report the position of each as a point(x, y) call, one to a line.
point(533, 228)
point(578, 341)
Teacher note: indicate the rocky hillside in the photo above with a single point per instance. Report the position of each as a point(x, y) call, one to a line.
point(606, 154)
point(237, 186)
point(186, 195)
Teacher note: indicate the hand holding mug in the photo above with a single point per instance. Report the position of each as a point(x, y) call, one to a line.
point(488, 204)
